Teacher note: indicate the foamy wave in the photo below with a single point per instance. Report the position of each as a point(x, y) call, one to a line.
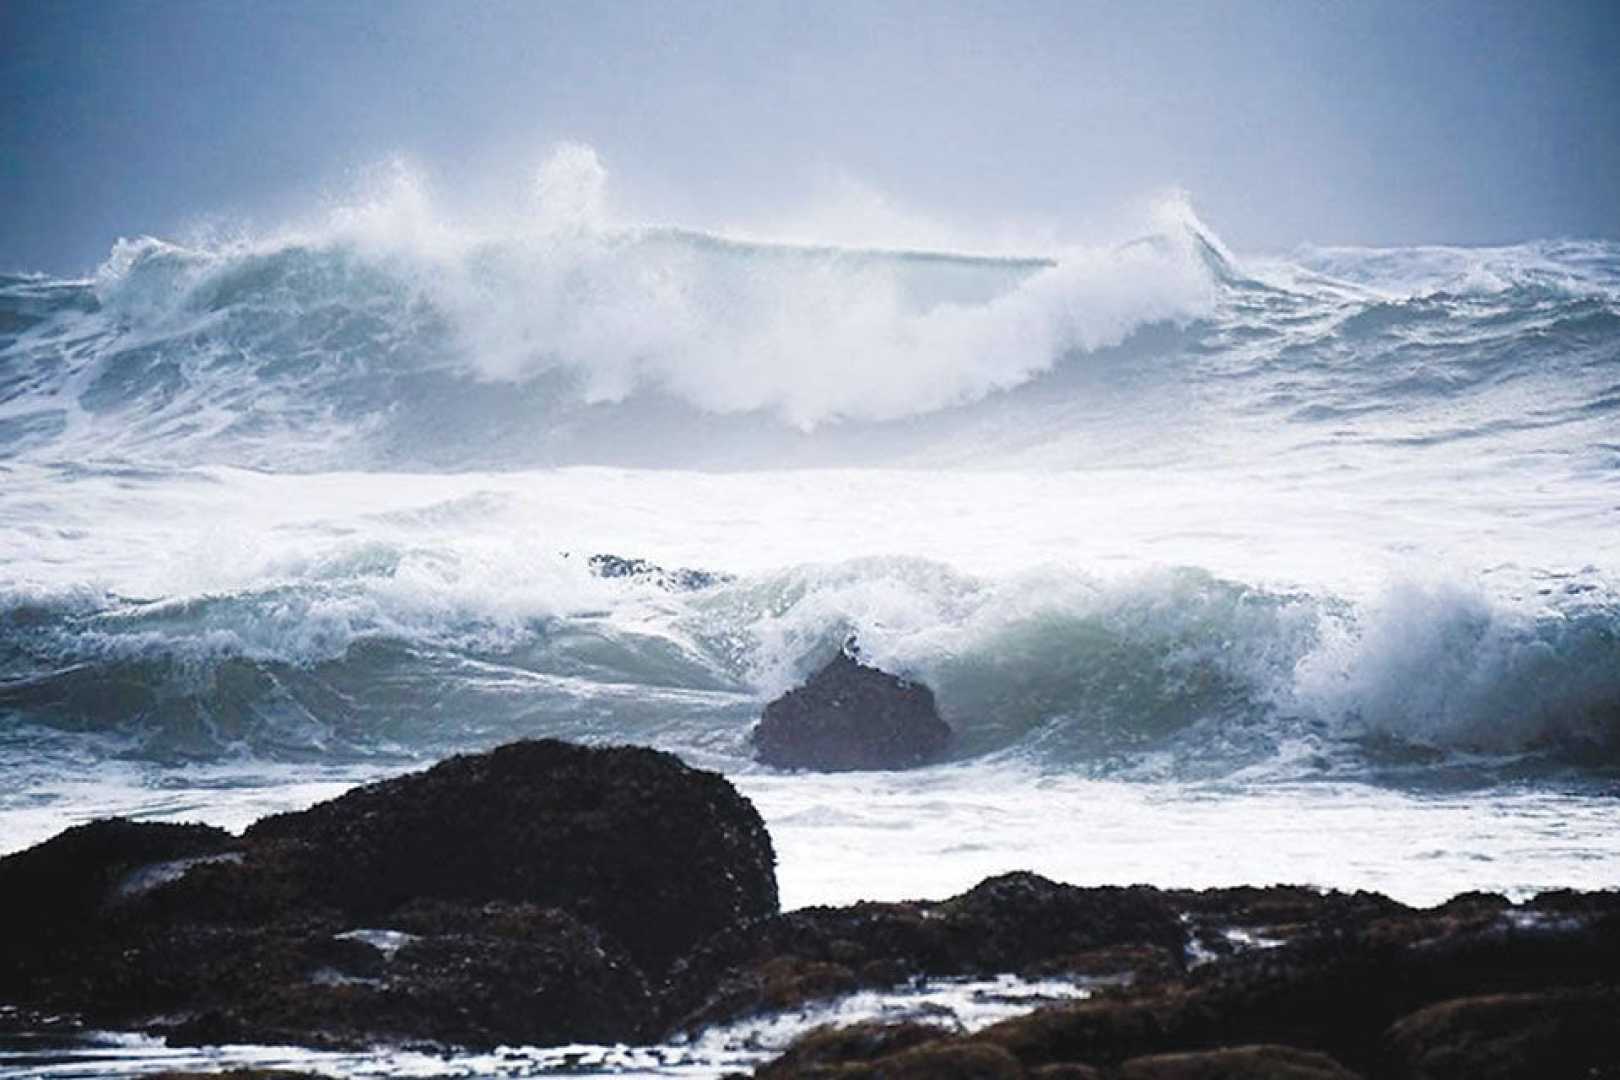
point(1177, 667)
point(1080, 668)
point(393, 334)
point(810, 334)
point(1568, 268)
point(1444, 665)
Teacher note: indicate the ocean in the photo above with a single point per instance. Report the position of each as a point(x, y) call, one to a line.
point(1224, 569)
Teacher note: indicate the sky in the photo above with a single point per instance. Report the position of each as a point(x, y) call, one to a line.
point(1287, 123)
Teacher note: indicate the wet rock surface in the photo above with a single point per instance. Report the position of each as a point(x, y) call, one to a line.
point(547, 894)
point(1326, 987)
point(1561, 1032)
point(455, 975)
point(850, 716)
point(516, 896)
point(1020, 923)
point(630, 840)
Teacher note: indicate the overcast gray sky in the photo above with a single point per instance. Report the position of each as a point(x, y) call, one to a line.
point(1288, 122)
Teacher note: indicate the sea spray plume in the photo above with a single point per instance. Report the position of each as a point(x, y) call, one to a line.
point(570, 190)
point(813, 335)
point(391, 331)
point(1438, 664)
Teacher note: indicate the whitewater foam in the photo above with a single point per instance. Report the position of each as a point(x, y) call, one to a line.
point(1235, 569)
point(246, 612)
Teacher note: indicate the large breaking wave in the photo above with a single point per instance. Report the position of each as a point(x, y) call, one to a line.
point(392, 337)
point(1256, 419)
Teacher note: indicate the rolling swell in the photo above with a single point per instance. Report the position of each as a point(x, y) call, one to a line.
point(1172, 672)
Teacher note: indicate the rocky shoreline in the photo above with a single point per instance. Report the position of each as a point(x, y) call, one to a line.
point(547, 893)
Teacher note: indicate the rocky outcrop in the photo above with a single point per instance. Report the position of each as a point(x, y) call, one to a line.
point(900, 1051)
point(1018, 922)
point(538, 893)
point(518, 896)
point(851, 716)
point(447, 973)
point(629, 840)
point(1565, 1032)
point(1340, 987)
point(832, 1055)
point(1236, 1063)
point(83, 870)
point(54, 894)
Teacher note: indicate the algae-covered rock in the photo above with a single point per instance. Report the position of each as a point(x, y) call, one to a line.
point(630, 840)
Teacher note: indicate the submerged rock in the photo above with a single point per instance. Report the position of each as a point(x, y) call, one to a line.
point(851, 716)
point(679, 579)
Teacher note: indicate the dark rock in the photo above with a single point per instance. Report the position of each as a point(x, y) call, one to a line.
point(930, 1061)
point(1224, 922)
point(630, 840)
point(1237, 1063)
point(80, 871)
point(1110, 1029)
point(1553, 1033)
point(1013, 923)
point(1335, 991)
point(680, 579)
point(484, 976)
point(1022, 922)
point(822, 1051)
point(1352, 983)
point(509, 897)
point(850, 716)
point(51, 892)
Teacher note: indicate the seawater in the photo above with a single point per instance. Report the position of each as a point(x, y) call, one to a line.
point(1223, 569)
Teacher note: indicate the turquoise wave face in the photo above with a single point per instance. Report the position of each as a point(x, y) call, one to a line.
point(1163, 673)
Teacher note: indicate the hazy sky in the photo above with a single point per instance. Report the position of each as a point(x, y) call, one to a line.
point(1288, 122)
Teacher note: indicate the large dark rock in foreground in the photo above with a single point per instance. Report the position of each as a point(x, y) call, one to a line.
point(850, 716)
point(518, 896)
point(628, 839)
point(536, 894)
